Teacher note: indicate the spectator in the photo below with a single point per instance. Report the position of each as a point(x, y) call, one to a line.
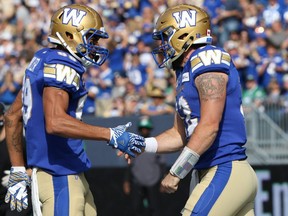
point(135, 71)
point(276, 34)
point(273, 105)
point(6, 44)
point(9, 89)
point(131, 102)
point(251, 16)
point(271, 13)
point(118, 42)
point(271, 66)
point(240, 60)
point(118, 107)
point(157, 104)
point(89, 105)
point(4, 68)
point(259, 45)
point(147, 26)
point(103, 79)
point(22, 18)
point(228, 20)
point(253, 95)
point(119, 87)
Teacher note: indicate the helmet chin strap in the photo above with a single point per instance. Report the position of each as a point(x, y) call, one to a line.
point(85, 62)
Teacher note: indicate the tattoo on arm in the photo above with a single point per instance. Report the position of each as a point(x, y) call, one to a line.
point(211, 86)
point(17, 143)
point(16, 140)
point(13, 126)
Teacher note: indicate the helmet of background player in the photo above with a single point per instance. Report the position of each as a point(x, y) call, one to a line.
point(78, 28)
point(145, 122)
point(177, 29)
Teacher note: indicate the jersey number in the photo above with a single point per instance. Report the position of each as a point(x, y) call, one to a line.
point(26, 100)
point(191, 123)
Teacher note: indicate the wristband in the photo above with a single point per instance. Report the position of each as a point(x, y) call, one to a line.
point(151, 145)
point(184, 163)
point(18, 169)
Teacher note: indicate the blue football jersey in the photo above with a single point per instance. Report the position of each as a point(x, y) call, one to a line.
point(54, 154)
point(231, 138)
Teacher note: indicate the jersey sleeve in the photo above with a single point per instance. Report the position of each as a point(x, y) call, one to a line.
point(61, 70)
point(211, 59)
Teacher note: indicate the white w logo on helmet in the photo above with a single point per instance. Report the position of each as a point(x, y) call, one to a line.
point(184, 18)
point(74, 15)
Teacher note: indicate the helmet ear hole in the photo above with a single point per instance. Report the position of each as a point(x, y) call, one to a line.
point(183, 36)
point(69, 35)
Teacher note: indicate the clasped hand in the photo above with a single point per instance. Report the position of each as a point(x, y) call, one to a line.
point(127, 142)
point(170, 183)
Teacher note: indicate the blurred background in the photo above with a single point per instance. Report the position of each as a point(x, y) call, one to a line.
point(129, 85)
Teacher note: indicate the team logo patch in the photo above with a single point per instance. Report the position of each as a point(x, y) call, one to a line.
point(185, 77)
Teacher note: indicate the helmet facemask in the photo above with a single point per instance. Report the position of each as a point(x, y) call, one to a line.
point(89, 51)
point(165, 52)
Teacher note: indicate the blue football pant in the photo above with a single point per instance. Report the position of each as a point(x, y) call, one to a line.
point(228, 190)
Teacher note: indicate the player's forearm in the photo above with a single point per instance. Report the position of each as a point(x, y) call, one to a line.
point(67, 126)
point(203, 137)
point(14, 132)
point(169, 141)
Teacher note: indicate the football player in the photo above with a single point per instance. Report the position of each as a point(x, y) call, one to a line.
point(50, 107)
point(209, 124)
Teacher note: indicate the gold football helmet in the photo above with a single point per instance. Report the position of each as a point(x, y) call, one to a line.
point(177, 29)
point(78, 28)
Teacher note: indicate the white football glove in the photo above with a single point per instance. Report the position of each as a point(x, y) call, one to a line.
point(5, 179)
point(17, 189)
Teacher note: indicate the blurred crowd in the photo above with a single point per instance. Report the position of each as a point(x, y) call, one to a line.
point(254, 32)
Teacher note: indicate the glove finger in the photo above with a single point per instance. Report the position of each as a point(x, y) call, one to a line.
point(13, 202)
point(7, 197)
point(137, 137)
point(22, 193)
point(19, 205)
point(5, 181)
point(134, 148)
point(130, 153)
point(138, 144)
point(25, 202)
point(140, 138)
point(7, 172)
point(128, 124)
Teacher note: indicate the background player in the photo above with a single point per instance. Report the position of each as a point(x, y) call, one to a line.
point(52, 99)
point(209, 124)
point(143, 177)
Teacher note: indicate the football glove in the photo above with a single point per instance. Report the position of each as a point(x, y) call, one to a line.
point(5, 178)
point(125, 141)
point(17, 189)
